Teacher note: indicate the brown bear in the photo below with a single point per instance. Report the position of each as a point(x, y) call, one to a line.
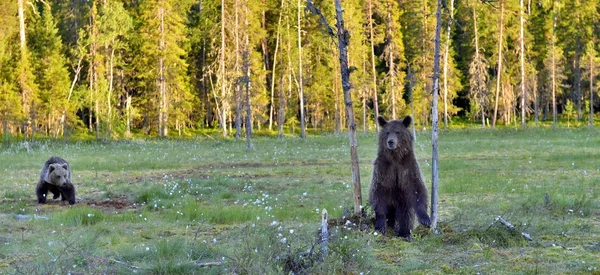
point(397, 190)
point(56, 178)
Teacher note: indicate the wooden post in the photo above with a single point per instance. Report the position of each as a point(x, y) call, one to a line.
point(342, 35)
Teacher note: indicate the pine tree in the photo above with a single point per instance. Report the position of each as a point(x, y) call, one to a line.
point(52, 76)
point(9, 94)
point(394, 57)
point(163, 37)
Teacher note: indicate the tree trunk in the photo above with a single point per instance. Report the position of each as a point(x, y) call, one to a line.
point(446, 54)
point(434, 119)
point(499, 70)
point(300, 87)
point(281, 113)
point(364, 92)
point(223, 114)
point(374, 72)
point(274, 68)
point(346, 86)
point(26, 92)
point(578, 78)
point(591, 122)
point(412, 104)
point(477, 57)
point(162, 85)
point(61, 123)
point(535, 102)
point(392, 84)
point(247, 81)
point(522, 44)
point(237, 87)
point(128, 111)
point(554, 68)
point(267, 63)
point(336, 94)
point(110, 88)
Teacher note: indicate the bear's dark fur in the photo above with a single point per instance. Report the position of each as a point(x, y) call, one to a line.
point(397, 190)
point(56, 178)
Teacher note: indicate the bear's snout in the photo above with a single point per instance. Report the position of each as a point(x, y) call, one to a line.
point(391, 144)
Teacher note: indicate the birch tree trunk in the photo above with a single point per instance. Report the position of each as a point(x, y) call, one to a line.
point(346, 86)
point(281, 113)
point(247, 81)
point(110, 87)
point(522, 44)
point(237, 87)
point(274, 68)
point(300, 86)
point(374, 72)
point(223, 113)
point(26, 92)
point(447, 52)
point(477, 57)
point(128, 111)
point(434, 119)
point(62, 123)
point(554, 68)
point(499, 70)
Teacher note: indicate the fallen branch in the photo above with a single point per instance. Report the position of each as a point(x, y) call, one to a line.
point(208, 264)
point(512, 227)
point(126, 264)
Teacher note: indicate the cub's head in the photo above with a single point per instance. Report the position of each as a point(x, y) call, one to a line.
point(394, 134)
point(58, 174)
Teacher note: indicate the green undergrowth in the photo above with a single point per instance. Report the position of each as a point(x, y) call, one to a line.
point(204, 205)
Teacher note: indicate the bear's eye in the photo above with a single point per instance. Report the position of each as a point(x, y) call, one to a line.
point(397, 133)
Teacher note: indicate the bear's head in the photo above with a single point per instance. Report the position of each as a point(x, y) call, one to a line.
point(394, 135)
point(58, 174)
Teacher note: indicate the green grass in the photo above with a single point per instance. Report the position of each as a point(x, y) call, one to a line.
point(166, 206)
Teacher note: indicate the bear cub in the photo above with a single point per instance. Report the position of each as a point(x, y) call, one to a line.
point(56, 178)
point(397, 191)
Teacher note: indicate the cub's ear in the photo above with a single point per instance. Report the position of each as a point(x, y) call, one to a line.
point(50, 168)
point(65, 166)
point(407, 121)
point(382, 122)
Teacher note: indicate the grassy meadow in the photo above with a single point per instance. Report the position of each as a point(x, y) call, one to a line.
point(205, 205)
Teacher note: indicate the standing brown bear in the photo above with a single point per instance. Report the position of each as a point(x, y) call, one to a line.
point(397, 190)
point(56, 178)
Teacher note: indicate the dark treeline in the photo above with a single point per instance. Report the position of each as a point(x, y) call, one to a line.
point(117, 68)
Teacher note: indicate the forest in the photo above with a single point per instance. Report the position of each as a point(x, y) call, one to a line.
point(111, 69)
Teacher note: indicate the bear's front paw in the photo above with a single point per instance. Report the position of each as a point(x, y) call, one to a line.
point(407, 238)
point(424, 220)
point(380, 226)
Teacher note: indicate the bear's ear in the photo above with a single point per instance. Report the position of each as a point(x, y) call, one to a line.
point(407, 120)
point(382, 122)
point(50, 168)
point(65, 166)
